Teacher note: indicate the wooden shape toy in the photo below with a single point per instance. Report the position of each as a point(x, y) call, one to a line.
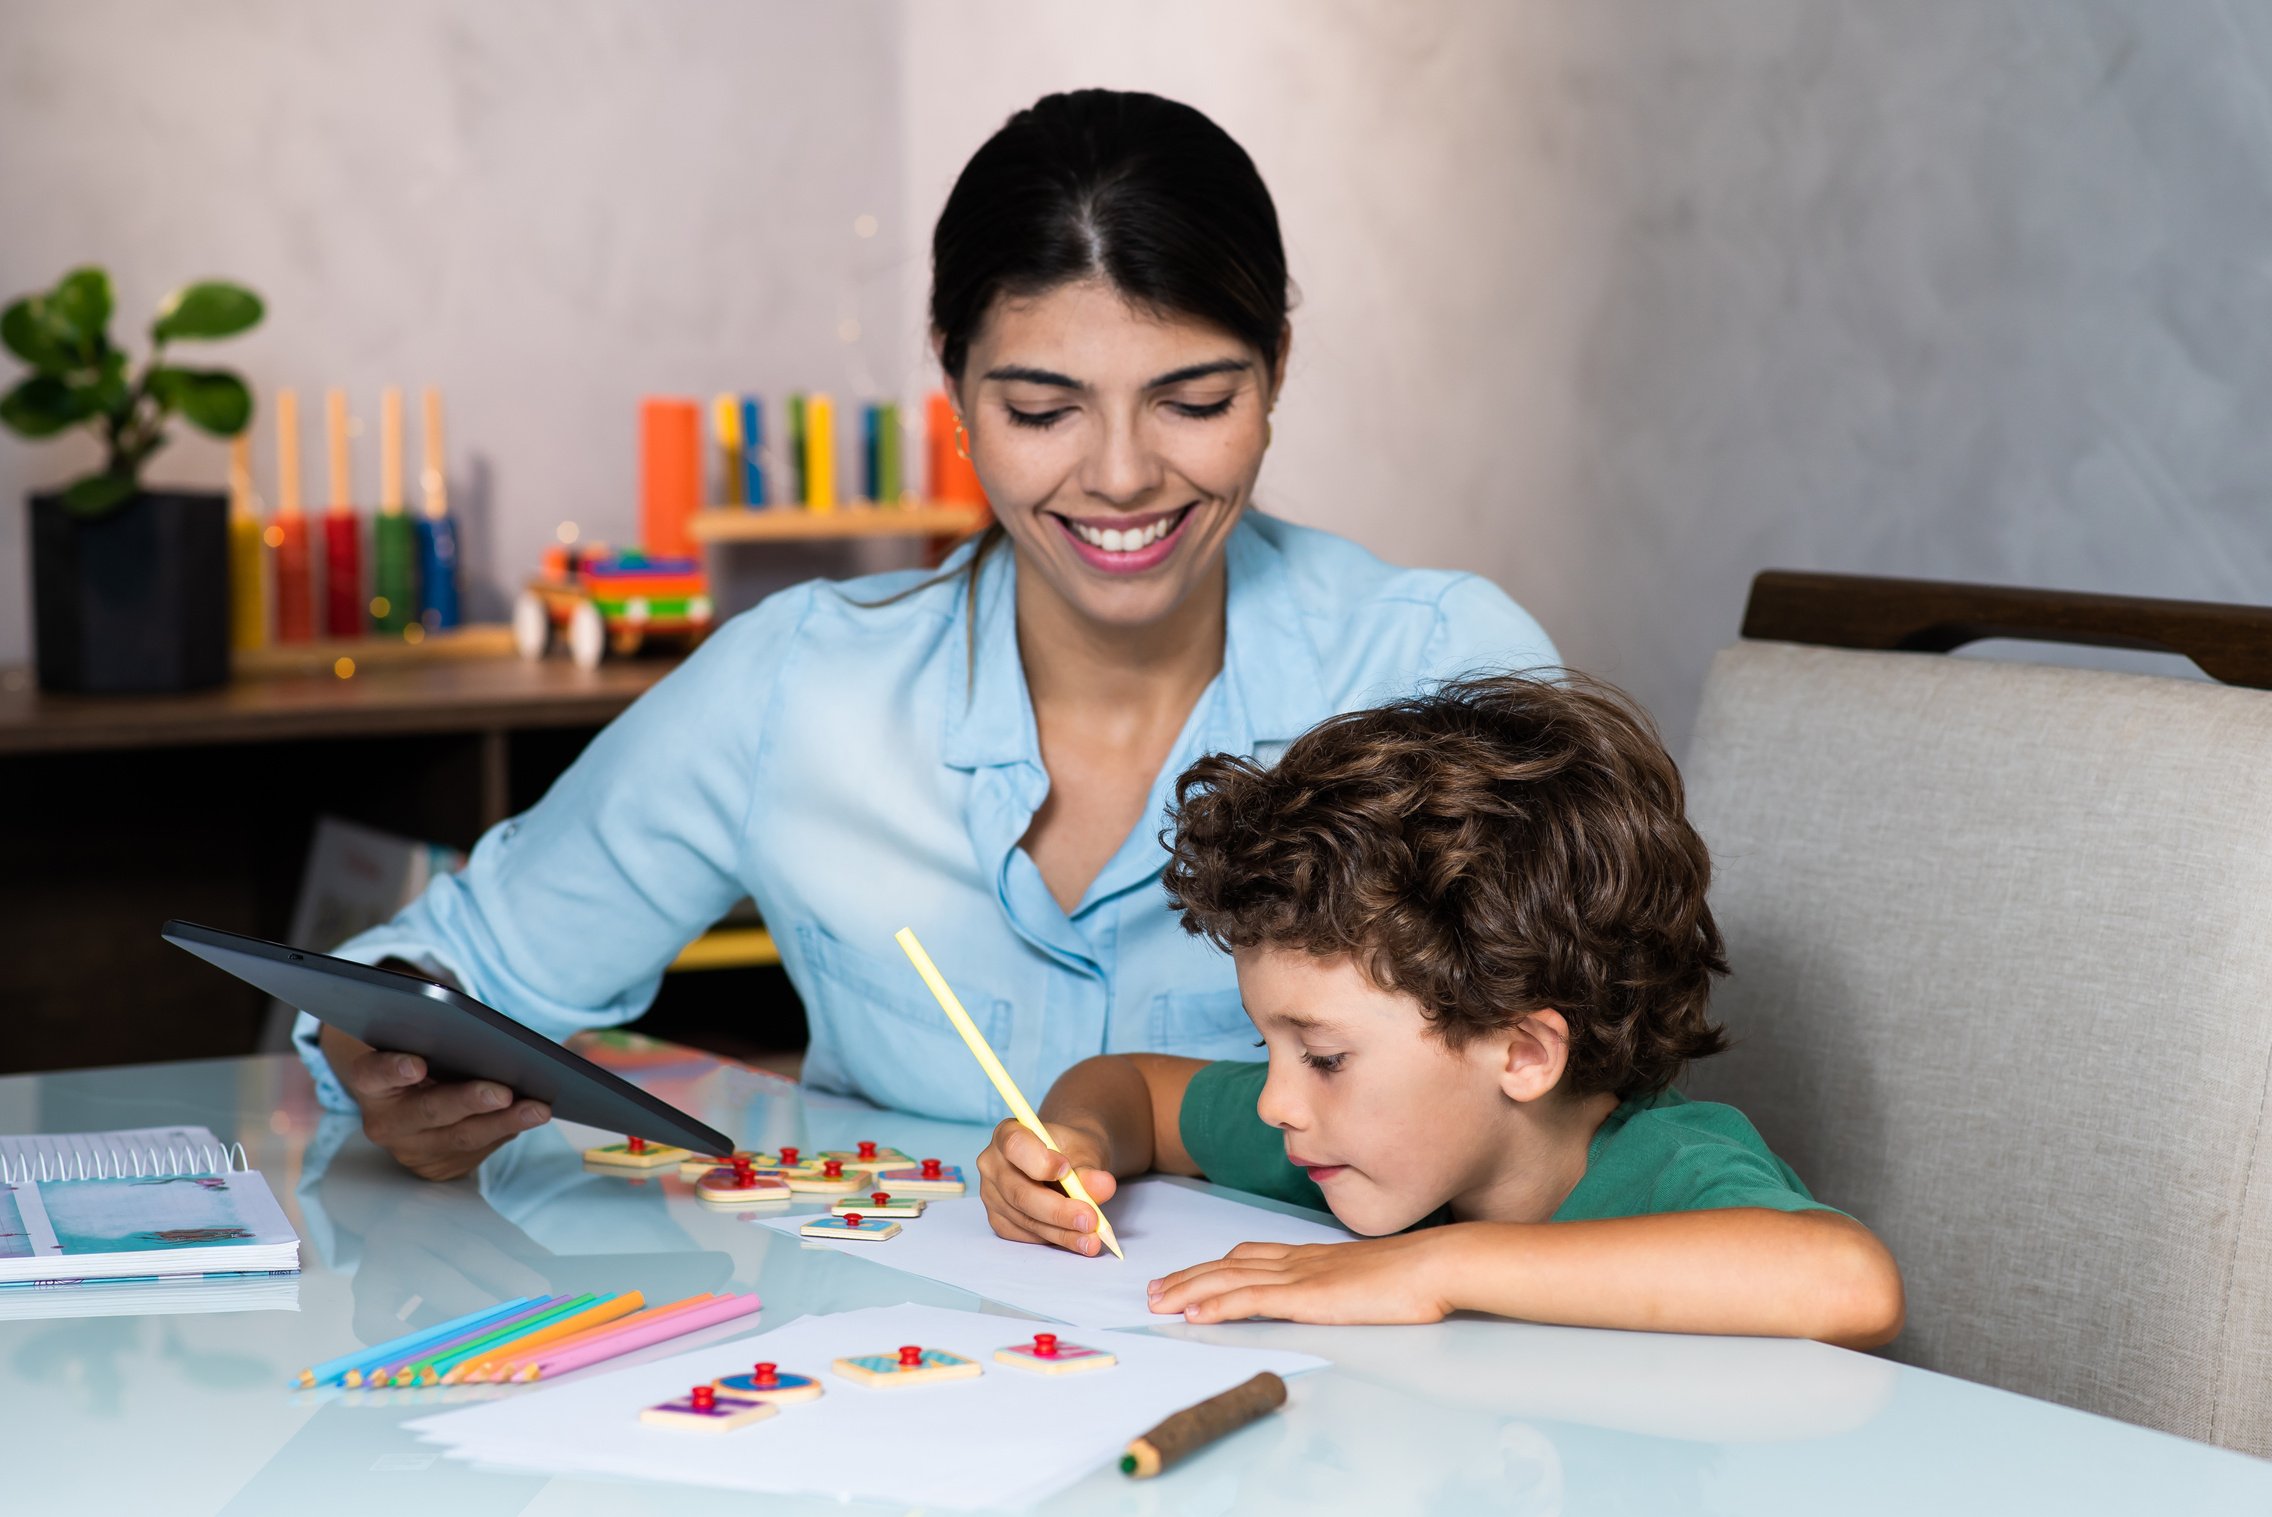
point(832, 1179)
point(869, 1156)
point(910, 1366)
point(701, 1164)
point(930, 1178)
point(852, 1226)
point(740, 1186)
point(793, 1161)
point(635, 1153)
point(701, 1411)
point(1046, 1356)
point(878, 1203)
point(766, 1383)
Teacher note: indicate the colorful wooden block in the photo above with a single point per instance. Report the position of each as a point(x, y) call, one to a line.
point(867, 1155)
point(702, 1411)
point(831, 1179)
point(930, 1178)
point(910, 1366)
point(852, 1227)
point(765, 1382)
point(1046, 1356)
point(701, 1164)
point(635, 1153)
point(732, 1187)
point(878, 1203)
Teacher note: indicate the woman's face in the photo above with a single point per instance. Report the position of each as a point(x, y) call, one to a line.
point(1117, 445)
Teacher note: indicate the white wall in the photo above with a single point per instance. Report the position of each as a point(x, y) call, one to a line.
point(1616, 301)
point(546, 207)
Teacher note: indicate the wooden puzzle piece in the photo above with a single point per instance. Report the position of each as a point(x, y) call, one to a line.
point(910, 1366)
point(701, 1411)
point(767, 1383)
point(851, 1227)
point(739, 1187)
point(794, 1161)
point(701, 1164)
point(867, 1155)
point(877, 1203)
point(930, 1178)
point(832, 1179)
point(1046, 1356)
point(635, 1153)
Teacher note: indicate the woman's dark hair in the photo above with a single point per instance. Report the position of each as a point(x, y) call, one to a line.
point(1495, 847)
point(1145, 193)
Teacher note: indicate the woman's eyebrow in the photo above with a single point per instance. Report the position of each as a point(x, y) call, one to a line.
point(1190, 372)
point(1026, 374)
point(1033, 376)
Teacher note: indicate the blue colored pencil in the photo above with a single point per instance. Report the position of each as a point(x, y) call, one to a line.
point(370, 1358)
point(403, 1371)
point(753, 454)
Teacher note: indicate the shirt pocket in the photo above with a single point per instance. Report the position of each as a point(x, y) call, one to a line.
point(894, 1044)
point(1202, 1024)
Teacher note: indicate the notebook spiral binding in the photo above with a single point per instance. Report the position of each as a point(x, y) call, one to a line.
point(173, 1162)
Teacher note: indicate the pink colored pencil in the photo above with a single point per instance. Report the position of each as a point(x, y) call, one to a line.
point(724, 1309)
point(498, 1370)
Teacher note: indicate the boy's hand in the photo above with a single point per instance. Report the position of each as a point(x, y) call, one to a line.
point(1389, 1279)
point(1017, 1176)
point(436, 1130)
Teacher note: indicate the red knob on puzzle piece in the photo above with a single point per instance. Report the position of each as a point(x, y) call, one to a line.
point(789, 1157)
point(832, 1169)
point(930, 1169)
point(851, 1219)
point(635, 1145)
point(879, 1197)
point(867, 1150)
point(910, 1356)
point(767, 1374)
point(705, 1397)
point(1045, 1345)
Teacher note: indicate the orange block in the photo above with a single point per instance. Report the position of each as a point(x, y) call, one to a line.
point(952, 477)
point(670, 474)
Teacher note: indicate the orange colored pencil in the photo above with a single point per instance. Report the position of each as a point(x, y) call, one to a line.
point(496, 1370)
point(592, 1316)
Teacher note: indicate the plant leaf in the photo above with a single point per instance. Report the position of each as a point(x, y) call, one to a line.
point(29, 329)
point(82, 303)
point(98, 493)
point(213, 400)
point(42, 406)
point(207, 309)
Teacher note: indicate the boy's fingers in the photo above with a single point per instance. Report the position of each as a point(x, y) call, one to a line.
point(448, 1105)
point(380, 1074)
point(1101, 1185)
point(1032, 1157)
point(1260, 1251)
point(487, 1131)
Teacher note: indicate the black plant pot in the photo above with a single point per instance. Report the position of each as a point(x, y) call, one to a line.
point(135, 600)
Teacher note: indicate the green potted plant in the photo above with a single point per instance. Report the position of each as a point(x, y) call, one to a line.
point(130, 586)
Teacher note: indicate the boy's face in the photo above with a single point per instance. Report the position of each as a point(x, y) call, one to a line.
point(1389, 1120)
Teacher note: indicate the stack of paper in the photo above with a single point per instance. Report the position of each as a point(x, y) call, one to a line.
point(1003, 1439)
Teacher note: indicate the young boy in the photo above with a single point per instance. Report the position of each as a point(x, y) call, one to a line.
point(1471, 929)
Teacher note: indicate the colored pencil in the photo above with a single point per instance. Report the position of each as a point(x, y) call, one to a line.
point(430, 1370)
point(405, 1371)
point(1007, 1087)
point(505, 1367)
point(376, 1354)
point(599, 1314)
point(725, 1309)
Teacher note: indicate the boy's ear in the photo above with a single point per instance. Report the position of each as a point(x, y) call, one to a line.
point(1537, 1051)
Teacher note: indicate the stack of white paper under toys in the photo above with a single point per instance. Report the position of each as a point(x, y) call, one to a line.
point(872, 1188)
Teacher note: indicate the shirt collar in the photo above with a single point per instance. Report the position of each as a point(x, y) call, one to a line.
point(1269, 662)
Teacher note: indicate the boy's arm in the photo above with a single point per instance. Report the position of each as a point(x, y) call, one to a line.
point(1115, 1115)
point(1749, 1270)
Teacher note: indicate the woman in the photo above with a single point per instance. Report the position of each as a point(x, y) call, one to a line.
point(985, 754)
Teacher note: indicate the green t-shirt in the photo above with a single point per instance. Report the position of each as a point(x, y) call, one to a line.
point(1660, 1153)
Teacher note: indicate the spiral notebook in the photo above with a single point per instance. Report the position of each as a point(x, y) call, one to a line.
point(141, 1203)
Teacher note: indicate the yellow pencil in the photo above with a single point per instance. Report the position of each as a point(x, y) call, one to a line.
point(1008, 1087)
point(590, 1317)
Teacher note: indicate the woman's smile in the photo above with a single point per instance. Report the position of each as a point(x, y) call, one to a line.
point(1126, 544)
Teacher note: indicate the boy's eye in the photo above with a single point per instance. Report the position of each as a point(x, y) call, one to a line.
point(1035, 419)
point(1324, 1063)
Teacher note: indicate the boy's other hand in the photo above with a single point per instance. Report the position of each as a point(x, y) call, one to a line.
point(437, 1131)
point(1017, 1177)
point(1390, 1279)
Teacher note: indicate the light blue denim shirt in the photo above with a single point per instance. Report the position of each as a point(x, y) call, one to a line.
point(852, 770)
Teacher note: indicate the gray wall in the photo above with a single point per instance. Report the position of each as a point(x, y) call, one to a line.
point(1616, 301)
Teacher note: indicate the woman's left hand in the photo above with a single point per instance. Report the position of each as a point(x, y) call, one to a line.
point(1389, 1279)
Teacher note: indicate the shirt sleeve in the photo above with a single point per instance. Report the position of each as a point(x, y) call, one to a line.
point(1479, 630)
point(566, 916)
point(1226, 1137)
point(1712, 1176)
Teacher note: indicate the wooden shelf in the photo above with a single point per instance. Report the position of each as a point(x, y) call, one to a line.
point(476, 640)
point(785, 524)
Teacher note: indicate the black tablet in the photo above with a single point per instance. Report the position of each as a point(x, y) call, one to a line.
point(457, 1036)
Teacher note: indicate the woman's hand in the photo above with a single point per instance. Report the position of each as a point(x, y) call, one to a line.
point(1017, 1177)
point(1388, 1279)
point(436, 1131)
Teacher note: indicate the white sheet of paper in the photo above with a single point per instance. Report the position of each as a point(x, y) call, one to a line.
point(1003, 1439)
point(1162, 1226)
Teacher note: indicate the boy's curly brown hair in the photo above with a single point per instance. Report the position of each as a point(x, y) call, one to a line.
point(1499, 846)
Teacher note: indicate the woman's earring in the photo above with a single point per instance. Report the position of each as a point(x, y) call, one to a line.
point(1266, 433)
point(962, 441)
